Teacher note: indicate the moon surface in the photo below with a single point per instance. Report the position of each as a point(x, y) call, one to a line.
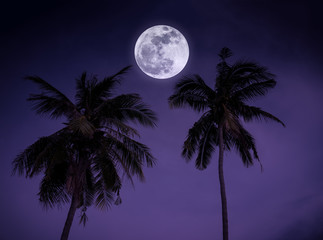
point(161, 51)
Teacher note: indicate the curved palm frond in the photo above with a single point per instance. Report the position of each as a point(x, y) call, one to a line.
point(107, 180)
point(206, 147)
point(133, 155)
point(225, 53)
point(248, 68)
point(104, 198)
point(52, 102)
point(194, 135)
point(245, 144)
point(239, 137)
point(102, 90)
point(88, 191)
point(120, 165)
point(52, 188)
point(91, 93)
point(40, 155)
point(192, 92)
point(253, 90)
point(83, 94)
point(126, 153)
point(249, 113)
point(127, 107)
point(104, 167)
point(111, 126)
point(244, 73)
point(82, 125)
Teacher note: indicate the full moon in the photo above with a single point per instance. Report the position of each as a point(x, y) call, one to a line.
point(161, 52)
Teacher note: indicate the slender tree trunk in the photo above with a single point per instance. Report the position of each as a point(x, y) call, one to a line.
point(222, 186)
point(70, 217)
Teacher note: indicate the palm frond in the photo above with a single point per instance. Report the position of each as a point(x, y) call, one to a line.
point(250, 112)
point(52, 101)
point(192, 92)
point(194, 135)
point(106, 171)
point(107, 180)
point(225, 53)
point(52, 188)
point(245, 144)
point(243, 73)
point(236, 134)
point(111, 126)
point(82, 125)
point(52, 106)
point(133, 155)
point(104, 198)
point(253, 90)
point(47, 87)
point(88, 191)
point(85, 99)
point(206, 147)
point(127, 107)
point(102, 90)
point(40, 155)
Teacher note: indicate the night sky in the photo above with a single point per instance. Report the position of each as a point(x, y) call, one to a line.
point(58, 40)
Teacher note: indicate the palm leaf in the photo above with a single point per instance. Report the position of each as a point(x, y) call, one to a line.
point(254, 90)
point(82, 125)
point(102, 90)
point(250, 112)
point(245, 143)
point(104, 198)
point(41, 154)
point(52, 188)
point(192, 92)
point(206, 147)
point(194, 135)
point(111, 126)
point(225, 53)
point(105, 168)
point(127, 107)
point(133, 155)
point(52, 102)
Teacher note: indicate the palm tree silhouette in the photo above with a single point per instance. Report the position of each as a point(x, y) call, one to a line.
point(223, 109)
point(82, 162)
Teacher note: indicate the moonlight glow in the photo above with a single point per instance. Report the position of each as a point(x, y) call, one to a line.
point(161, 51)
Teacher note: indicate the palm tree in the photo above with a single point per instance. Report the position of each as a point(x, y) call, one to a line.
point(83, 162)
point(224, 108)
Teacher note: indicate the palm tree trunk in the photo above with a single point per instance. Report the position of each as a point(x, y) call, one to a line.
point(70, 217)
point(222, 186)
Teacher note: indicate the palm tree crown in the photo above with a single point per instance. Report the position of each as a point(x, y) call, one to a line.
point(83, 161)
point(223, 109)
point(224, 105)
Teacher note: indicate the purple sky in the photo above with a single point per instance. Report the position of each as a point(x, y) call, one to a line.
point(58, 41)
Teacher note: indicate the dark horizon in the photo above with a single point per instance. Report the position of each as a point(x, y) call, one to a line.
point(59, 40)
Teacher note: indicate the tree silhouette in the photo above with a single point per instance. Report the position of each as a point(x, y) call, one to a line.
point(82, 162)
point(223, 108)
